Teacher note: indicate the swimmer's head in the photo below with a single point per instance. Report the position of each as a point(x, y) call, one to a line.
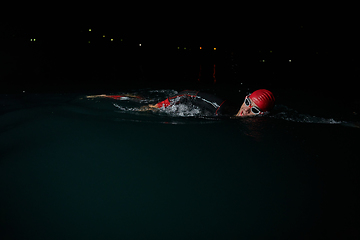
point(259, 102)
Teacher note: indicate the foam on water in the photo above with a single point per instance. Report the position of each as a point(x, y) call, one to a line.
point(182, 110)
point(154, 96)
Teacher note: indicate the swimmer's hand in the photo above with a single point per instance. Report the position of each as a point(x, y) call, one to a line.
point(153, 106)
point(150, 107)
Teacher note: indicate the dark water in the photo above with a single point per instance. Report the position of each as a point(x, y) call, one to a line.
point(77, 168)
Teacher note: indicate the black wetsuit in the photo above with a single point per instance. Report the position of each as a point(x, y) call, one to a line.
point(208, 103)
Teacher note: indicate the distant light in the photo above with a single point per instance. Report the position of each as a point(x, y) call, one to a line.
point(121, 40)
point(262, 60)
point(270, 51)
point(88, 41)
point(112, 39)
point(200, 48)
point(214, 48)
point(184, 48)
point(289, 60)
point(103, 35)
point(139, 44)
point(89, 29)
point(178, 48)
point(31, 39)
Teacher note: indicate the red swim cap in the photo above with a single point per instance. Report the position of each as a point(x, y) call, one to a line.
point(264, 99)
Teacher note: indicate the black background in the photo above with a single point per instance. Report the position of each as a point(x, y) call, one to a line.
point(320, 41)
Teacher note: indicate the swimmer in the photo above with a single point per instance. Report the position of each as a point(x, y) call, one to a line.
point(259, 102)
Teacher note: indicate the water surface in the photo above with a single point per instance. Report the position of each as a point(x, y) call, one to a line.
point(82, 168)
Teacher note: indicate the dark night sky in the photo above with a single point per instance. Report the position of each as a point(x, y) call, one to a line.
point(292, 31)
point(252, 25)
point(183, 19)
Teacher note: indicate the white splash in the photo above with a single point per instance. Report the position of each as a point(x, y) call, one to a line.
point(181, 110)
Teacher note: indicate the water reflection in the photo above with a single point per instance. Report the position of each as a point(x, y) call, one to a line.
point(254, 127)
point(208, 70)
point(214, 77)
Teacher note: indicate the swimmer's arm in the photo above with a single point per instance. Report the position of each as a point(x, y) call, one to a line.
point(154, 107)
point(129, 95)
point(150, 107)
point(96, 96)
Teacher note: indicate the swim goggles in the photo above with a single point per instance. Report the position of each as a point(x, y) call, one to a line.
point(254, 110)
